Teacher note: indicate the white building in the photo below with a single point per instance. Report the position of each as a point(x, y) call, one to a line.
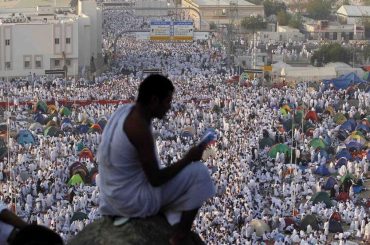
point(353, 14)
point(40, 40)
point(283, 34)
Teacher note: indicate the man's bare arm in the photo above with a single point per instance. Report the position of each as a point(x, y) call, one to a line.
point(140, 136)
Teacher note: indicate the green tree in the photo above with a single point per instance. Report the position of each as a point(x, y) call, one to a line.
point(283, 18)
point(296, 21)
point(318, 9)
point(332, 52)
point(273, 7)
point(253, 23)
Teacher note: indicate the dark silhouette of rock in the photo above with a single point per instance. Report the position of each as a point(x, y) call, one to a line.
point(149, 231)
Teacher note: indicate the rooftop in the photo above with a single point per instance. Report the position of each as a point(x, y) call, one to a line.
point(32, 3)
point(222, 2)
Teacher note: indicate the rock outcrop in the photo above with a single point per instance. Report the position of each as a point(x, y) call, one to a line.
point(149, 231)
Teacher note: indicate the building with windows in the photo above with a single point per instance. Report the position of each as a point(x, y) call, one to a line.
point(353, 14)
point(325, 30)
point(221, 11)
point(47, 38)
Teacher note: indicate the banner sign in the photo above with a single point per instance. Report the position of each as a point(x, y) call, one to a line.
point(171, 31)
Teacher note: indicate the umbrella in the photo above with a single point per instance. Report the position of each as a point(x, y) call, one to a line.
point(259, 226)
point(41, 106)
point(78, 216)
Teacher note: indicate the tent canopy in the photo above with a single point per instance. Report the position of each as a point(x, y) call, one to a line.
point(25, 137)
point(259, 226)
point(321, 196)
point(309, 220)
point(75, 180)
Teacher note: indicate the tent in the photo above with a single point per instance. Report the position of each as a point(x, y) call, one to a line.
point(343, 196)
point(281, 148)
point(339, 118)
point(52, 109)
point(95, 128)
point(75, 180)
point(82, 129)
point(78, 216)
point(344, 81)
point(335, 226)
point(78, 168)
point(187, 132)
point(341, 162)
point(266, 142)
point(348, 125)
point(52, 131)
point(312, 115)
point(309, 219)
point(336, 216)
point(102, 122)
point(330, 183)
point(259, 226)
point(37, 127)
point(25, 137)
point(363, 128)
point(86, 153)
point(66, 127)
point(344, 153)
point(321, 196)
point(41, 106)
point(322, 170)
point(40, 118)
point(317, 143)
point(347, 177)
point(65, 111)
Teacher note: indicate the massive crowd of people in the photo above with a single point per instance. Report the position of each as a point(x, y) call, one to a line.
point(264, 192)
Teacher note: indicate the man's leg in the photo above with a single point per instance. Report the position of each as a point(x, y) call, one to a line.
point(184, 227)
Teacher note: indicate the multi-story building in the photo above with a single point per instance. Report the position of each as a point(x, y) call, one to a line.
point(47, 38)
point(221, 11)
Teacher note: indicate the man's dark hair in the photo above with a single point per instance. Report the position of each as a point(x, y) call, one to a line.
point(154, 85)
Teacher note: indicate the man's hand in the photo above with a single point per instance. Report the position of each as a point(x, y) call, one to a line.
point(195, 153)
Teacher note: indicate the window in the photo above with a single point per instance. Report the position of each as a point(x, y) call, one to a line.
point(56, 62)
point(7, 42)
point(38, 61)
point(38, 64)
point(56, 41)
point(68, 40)
point(27, 64)
point(8, 65)
point(68, 62)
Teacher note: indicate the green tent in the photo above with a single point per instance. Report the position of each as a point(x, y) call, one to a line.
point(311, 220)
point(317, 143)
point(322, 196)
point(75, 180)
point(65, 111)
point(339, 118)
point(41, 106)
point(347, 177)
point(266, 142)
point(52, 131)
point(281, 148)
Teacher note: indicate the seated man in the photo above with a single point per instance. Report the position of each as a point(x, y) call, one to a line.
point(131, 182)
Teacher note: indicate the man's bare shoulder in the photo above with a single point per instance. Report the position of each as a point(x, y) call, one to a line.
point(136, 128)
